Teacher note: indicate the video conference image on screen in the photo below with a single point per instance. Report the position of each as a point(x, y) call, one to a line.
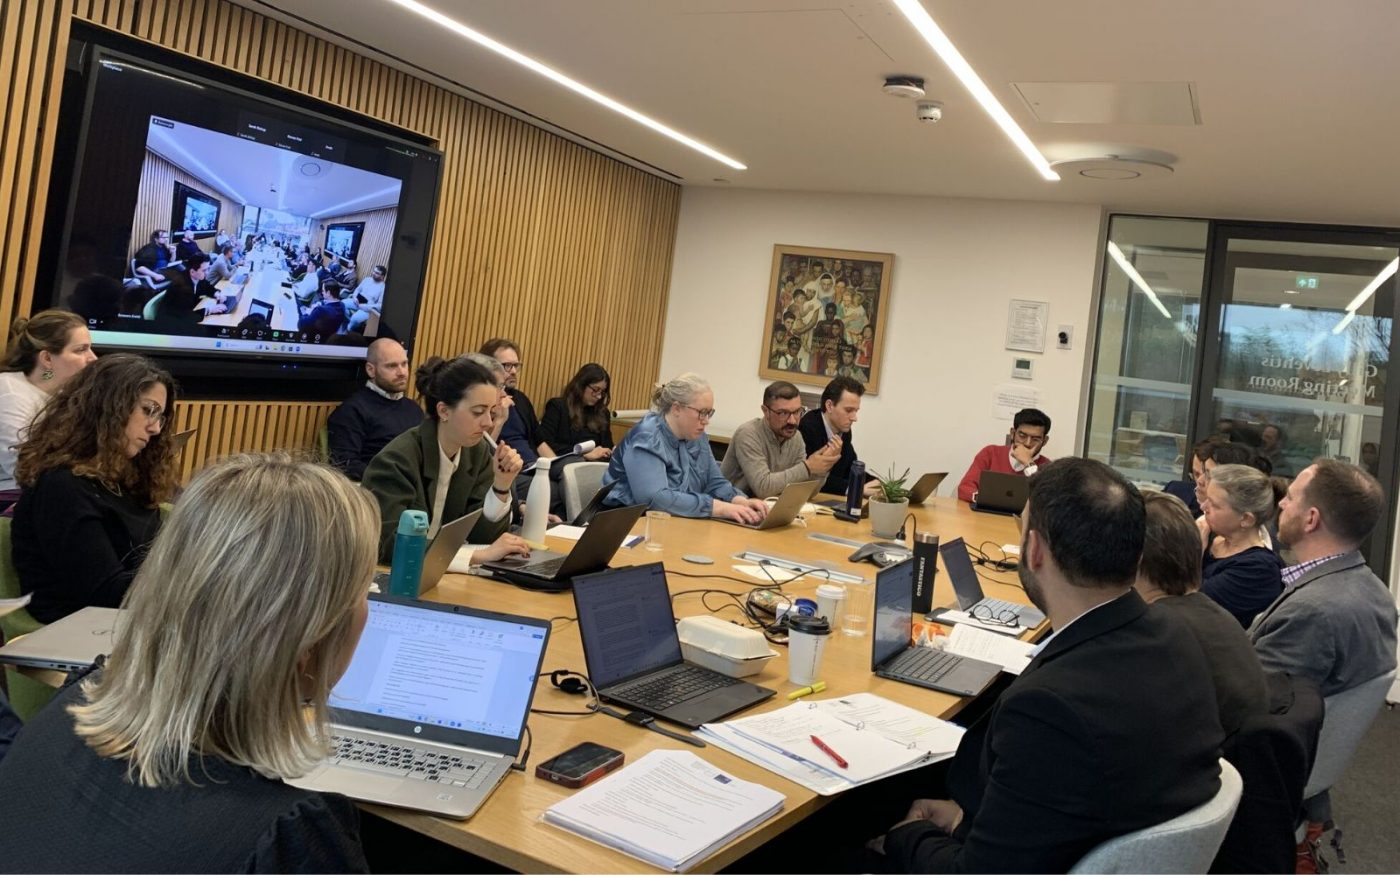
point(244, 241)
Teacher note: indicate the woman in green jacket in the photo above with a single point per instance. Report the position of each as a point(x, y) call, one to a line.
point(443, 466)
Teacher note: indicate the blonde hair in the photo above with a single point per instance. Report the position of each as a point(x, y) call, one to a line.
point(1248, 490)
point(681, 390)
point(261, 564)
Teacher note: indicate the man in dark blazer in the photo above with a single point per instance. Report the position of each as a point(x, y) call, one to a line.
point(1112, 727)
point(831, 427)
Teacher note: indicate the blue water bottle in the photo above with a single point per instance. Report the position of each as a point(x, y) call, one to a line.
point(855, 489)
point(409, 546)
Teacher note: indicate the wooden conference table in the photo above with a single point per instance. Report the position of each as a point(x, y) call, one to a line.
point(508, 830)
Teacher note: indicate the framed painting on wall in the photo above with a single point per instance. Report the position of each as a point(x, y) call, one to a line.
point(826, 315)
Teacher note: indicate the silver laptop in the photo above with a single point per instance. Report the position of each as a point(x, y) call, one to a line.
point(71, 643)
point(786, 508)
point(963, 576)
point(926, 487)
point(893, 654)
point(430, 713)
point(440, 553)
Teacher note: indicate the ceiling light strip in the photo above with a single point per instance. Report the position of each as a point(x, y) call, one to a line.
point(1365, 295)
point(1136, 278)
point(574, 85)
point(939, 42)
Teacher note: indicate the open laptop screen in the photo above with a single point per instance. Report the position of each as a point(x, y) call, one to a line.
point(625, 620)
point(961, 573)
point(452, 668)
point(894, 611)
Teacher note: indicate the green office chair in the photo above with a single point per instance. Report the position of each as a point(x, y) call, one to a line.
point(323, 443)
point(27, 695)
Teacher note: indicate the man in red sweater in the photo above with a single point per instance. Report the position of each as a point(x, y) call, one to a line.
point(1030, 431)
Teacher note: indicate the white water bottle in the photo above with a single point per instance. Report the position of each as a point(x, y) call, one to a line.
point(537, 504)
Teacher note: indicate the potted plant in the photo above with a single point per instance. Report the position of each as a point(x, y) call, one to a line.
point(889, 504)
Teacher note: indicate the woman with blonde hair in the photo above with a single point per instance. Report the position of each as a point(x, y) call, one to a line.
point(173, 756)
point(43, 353)
point(94, 470)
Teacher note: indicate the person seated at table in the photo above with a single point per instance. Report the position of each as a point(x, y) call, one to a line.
point(329, 316)
point(765, 454)
point(522, 428)
point(178, 305)
point(1186, 490)
point(665, 461)
point(442, 466)
point(45, 351)
point(580, 414)
point(187, 248)
point(1030, 432)
point(93, 472)
point(377, 413)
point(1113, 726)
point(153, 258)
point(1239, 568)
point(221, 268)
point(173, 756)
point(1169, 579)
point(833, 424)
point(368, 296)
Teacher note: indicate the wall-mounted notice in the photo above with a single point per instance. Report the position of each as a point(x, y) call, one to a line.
point(1025, 325)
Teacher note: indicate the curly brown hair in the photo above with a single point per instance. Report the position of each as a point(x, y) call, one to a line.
point(83, 427)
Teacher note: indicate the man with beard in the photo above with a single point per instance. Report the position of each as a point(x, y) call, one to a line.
point(765, 454)
point(1334, 622)
point(377, 413)
point(1111, 728)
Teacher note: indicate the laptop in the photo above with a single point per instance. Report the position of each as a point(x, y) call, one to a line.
point(634, 653)
point(966, 587)
point(1001, 493)
point(546, 569)
point(894, 656)
point(786, 508)
point(180, 439)
point(440, 553)
point(430, 713)
point(71, 643)
point(926, 487)
point(594, 505)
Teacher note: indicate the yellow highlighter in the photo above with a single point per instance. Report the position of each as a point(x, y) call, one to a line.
point(807, 691)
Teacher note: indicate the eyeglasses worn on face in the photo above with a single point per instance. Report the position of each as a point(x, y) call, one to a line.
point(703, 414)
point(785, 414)
point(1022, 437)
point(512, 366)
point(154, 414)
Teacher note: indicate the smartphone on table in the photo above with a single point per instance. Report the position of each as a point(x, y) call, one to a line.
point(580, 765)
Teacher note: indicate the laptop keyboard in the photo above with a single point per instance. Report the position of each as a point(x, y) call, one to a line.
point(924, 663)
point(660, 693)
point(546, 569)
point(411, 762)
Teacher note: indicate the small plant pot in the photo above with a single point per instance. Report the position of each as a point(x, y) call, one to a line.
point(886, 517)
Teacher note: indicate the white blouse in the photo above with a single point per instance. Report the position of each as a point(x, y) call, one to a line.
point(20, 402)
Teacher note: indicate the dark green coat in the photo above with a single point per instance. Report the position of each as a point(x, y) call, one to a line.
point(403, 477)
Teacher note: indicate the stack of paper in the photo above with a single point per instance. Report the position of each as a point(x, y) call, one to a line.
point(1012, 655)
point(670, 809)
point(876, 738)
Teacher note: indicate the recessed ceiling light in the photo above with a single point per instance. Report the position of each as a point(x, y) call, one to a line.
point(939, 42)
point(1288, 291)
point(573, 85)
point(1285, 306)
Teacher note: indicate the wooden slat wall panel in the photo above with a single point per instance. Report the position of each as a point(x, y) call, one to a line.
point(539, 239)
point(155, 198)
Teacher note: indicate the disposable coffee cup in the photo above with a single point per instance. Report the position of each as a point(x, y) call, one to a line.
point(807, 637)
point(830, 602)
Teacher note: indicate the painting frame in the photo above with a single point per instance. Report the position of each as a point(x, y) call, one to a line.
point(852, 342)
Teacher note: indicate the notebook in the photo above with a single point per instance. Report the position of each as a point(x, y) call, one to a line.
point(894, 655)
point(431, 711)
point(633, 651)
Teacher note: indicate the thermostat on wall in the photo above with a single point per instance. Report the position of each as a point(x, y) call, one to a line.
point(1021, 368)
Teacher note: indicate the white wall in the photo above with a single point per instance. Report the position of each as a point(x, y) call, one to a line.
point(958, 263)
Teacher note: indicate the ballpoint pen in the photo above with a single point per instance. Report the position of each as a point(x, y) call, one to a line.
point(836, 757)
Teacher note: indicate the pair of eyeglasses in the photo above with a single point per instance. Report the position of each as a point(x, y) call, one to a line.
point(512, 366)
point(703, 414)
point(1024, 438)
point(997, 618)
point(154, 414)
point(785, 414)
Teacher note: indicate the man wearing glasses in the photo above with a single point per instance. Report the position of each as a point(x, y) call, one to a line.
point(1030, 431)
point(766, 454)
point(522, 429)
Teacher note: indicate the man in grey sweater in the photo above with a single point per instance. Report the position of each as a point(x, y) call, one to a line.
point(766, 453)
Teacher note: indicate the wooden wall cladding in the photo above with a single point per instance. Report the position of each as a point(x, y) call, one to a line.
point(156, 196)
point(561, 248)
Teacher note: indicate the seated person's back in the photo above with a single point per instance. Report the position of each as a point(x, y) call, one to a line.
point(94, 470)
point(1030, 432)
point(173, 756)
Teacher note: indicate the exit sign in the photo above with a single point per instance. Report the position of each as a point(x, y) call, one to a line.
point(1305, 282)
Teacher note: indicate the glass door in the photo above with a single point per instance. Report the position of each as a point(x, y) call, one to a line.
point(1298, 348)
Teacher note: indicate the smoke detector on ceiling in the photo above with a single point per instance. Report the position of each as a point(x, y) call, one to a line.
point(911, 87)
point(1112, 168)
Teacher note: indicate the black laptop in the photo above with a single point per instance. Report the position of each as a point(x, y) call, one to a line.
point(893, 654)
point(548, 570)
point(1002, 493)
point(634, 653)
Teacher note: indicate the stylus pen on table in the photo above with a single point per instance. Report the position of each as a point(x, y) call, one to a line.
point(836, 757)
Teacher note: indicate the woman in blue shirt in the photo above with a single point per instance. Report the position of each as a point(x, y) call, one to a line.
point(665, 460)
point(1240, 570)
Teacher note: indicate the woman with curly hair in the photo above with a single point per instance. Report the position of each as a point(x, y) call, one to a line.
point(93, 471)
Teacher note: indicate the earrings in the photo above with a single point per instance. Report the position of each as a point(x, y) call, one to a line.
point(47, 374)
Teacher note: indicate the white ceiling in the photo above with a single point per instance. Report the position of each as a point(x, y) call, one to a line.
point(1296, 98)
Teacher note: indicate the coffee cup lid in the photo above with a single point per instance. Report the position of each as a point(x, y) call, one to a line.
point(809, 625)
point(831, 591)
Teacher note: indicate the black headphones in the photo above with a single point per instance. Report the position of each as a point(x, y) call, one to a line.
point(570, 682)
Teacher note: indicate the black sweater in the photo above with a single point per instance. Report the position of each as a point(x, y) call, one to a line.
point(77, 544)
point(813, 432)
point(360, 427)
point(557, 431)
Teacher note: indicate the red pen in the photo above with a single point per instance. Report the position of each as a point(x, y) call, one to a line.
point(829, 752)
